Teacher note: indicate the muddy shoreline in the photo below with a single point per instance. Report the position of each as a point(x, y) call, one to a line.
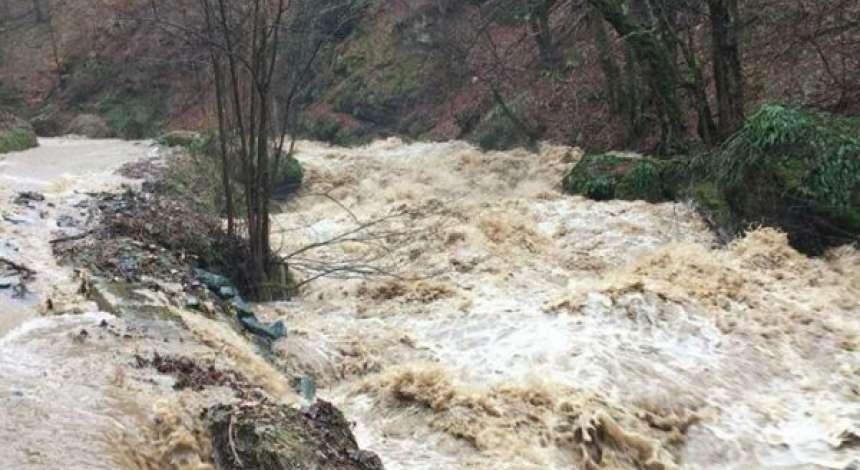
point(169, 356)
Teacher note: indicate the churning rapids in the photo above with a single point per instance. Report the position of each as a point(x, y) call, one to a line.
point(505, 325)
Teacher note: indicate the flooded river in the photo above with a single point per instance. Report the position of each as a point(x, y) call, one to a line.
point(517, 320)
point(473, 316)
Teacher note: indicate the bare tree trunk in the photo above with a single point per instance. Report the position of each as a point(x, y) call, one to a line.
point(728, 72)
point(539, 23)
point(662, 74)
point(220, 102)
point(37, 9)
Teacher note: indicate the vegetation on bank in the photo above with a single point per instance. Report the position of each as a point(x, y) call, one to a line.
point(198, 172)
point(15, 134)
point(786, 167)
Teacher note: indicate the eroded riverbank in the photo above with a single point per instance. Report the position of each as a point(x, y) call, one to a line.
point(103, 373)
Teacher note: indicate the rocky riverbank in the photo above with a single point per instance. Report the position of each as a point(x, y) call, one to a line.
point(139, 363)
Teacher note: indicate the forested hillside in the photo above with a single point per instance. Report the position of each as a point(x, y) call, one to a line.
point(429, 234)
point(651, 75)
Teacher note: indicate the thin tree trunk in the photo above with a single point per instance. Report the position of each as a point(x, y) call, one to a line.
point(662, 75)
point(728, 72)
point(539, 23)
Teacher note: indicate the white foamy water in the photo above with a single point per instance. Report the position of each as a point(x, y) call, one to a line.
point(518, 327)
point(532, 309)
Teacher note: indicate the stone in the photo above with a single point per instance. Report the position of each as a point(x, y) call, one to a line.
point(266, 436)
point(27, 197)
point(91, 126)
point(8, 282)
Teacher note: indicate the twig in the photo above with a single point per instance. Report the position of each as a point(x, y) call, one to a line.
point(233, 443)
point(72, 237)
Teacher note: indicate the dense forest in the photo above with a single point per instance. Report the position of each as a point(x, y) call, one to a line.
point(650, 75)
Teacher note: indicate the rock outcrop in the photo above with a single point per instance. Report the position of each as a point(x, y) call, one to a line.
point(90, 125)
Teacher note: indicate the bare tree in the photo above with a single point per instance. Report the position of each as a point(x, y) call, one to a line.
point(726, 57)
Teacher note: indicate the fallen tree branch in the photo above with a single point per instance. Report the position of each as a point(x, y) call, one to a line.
point(18, 267)
point(72, 237)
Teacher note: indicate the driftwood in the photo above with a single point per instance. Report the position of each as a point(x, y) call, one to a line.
point(27, 272)
point(71, 237)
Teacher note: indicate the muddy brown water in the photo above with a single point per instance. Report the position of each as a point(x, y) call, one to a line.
point(519, 327)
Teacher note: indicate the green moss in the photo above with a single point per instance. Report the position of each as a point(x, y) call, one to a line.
point(18, 139)
point(641, 182)
point(712, 203)
point(609, 176)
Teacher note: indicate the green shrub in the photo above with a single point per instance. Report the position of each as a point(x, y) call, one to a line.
point(643, 182)
point(797, 170)
point(185, 139)
point(17, 139)
point(16, 134)
point(131, 118)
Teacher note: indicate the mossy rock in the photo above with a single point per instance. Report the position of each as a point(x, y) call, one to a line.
point(714, 208)
point(610, 176)
point(797, 171)
point(49, 124)
point(91, 126)
point(270, 437)
point(15, 134)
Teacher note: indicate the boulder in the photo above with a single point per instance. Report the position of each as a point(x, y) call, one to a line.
point(49, 124)
point(289, 178)
point(91, 126)
point(613, 176)
point(276, 437)
point(16, 134)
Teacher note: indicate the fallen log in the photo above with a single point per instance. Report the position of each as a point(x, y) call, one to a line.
point(27, 272)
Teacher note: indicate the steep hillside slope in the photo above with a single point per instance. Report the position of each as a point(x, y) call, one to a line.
point(424, 69)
